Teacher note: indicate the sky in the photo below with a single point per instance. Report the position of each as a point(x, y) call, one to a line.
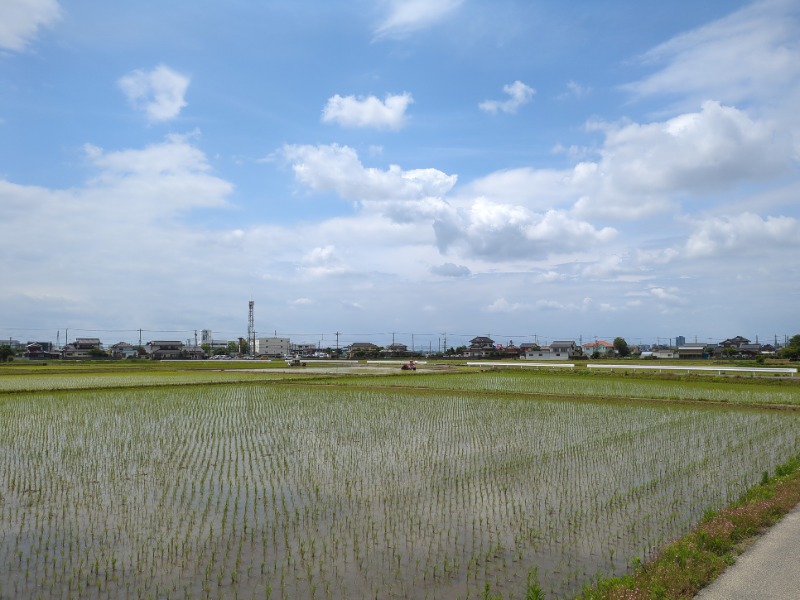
point(400, 170)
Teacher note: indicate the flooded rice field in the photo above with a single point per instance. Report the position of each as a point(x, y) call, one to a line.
point(270, 491)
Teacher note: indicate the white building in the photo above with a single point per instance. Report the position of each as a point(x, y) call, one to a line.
point(272, 346)
point(560, 350)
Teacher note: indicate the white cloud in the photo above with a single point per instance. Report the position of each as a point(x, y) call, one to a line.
point(501, 305)
point(706, 150)
point(533, 188)
point(158, 93)
point(670, 295)
point(575, 90)
point(481, 227)
point(407, 16)
point(752, 53)
point(120, 236)
point(20, 21)
point(403, 195)
point(519, 94)
point(643, 167)
point(323, 261)
point(166, 177)
point(350, 111)
point(744, 234)
point(495, 231)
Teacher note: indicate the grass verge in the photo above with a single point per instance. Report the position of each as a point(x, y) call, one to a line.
point(685, 566)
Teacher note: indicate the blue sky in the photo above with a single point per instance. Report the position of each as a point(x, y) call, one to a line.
point(381, 168)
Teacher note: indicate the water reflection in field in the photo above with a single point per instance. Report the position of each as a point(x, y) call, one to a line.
point(298, 492)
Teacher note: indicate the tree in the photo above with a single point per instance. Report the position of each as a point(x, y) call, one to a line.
point(792, 349)
point(6, 353)
point(621, 347)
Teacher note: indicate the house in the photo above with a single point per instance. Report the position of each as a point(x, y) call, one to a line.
point(397, 349)
point(737, 346)
point(734, 342)
point(124, 350)
point(559, 350)
point(362, 349)
point(768, 350)
point(195, 353)
point(511, 351)
point(82, 348)
point(164, 349)
point(40, 351)
point(750, 350)
point(693, 351)
point(480, 347)
point(600, 348)
point(302, 349)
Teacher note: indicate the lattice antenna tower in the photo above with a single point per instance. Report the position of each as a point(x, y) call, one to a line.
point(251, 330)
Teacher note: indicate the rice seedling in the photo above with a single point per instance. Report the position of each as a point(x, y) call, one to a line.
point(287, 491)
point(595, 385)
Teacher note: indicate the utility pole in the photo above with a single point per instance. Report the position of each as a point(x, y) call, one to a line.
point(337, 344)
point(251, 331)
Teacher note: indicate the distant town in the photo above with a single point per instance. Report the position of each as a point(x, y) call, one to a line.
point(206, 347)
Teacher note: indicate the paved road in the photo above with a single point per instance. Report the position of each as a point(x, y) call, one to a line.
point(768, 570)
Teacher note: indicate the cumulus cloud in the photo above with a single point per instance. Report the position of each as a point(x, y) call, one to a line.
point(643, 167)
point(480, 227)
point(496, 231)
point(698, 151)
point(519, 94)
point(158, 93)
point(404, 195)
point(21, 20)
point(744, 234)
point(350, 111)
point(407, 16)
point(533, 188)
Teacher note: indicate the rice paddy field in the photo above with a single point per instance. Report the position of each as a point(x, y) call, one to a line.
point(230, 484)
